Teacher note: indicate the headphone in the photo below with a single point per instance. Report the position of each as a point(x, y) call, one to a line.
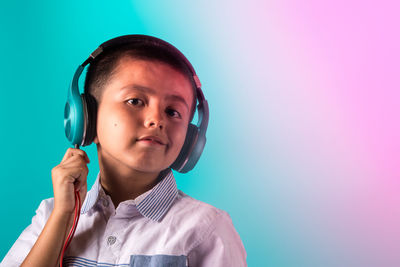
point(80, 112)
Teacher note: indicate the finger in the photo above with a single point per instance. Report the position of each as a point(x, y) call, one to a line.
point(81, 185)
point(74, 168)
point(78, 176)
point(77, 158)
point(75, 151)
point(67, 154)
point(75, 162)
point(79, 173)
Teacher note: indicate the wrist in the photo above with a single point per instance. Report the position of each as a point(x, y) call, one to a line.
point(61, 217)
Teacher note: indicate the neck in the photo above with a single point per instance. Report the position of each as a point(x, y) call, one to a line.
point(121, 182)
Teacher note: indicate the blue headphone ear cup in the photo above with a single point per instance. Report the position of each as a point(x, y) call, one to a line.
point(74, 119)
point(191, 150)
point(90, 113)
point(195, 154)
point(191, 136)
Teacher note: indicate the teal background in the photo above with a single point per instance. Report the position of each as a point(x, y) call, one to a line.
point(303, 147)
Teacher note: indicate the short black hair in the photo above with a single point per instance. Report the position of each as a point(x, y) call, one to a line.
point(104, 65)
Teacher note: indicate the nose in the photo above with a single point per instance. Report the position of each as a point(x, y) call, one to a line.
point(154, 119)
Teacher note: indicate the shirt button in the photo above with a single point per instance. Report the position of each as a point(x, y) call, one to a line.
point(111, 240)
point(105, 202)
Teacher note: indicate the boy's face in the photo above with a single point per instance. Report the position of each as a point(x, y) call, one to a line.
point(143, 98)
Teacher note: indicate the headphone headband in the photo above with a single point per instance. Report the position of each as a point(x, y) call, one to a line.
point(141, 39)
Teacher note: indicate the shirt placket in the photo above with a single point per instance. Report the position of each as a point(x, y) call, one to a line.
point(111, 241)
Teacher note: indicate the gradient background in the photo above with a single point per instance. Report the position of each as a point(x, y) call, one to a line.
point(303, 146)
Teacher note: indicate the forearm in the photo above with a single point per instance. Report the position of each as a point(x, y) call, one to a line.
point(47, 249)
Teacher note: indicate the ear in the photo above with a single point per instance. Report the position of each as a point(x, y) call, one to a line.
point(96, 140)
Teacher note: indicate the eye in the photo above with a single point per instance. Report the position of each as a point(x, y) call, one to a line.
point(135, 101)
point(173, 113)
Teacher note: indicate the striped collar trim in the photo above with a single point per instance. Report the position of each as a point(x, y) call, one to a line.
point(160, 199)
point(91, 196)
point(153, 206)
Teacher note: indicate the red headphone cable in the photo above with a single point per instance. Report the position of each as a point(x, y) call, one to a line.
point(72, 231)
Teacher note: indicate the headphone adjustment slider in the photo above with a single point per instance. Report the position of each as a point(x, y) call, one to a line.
point(96, 52)
point(197, 81)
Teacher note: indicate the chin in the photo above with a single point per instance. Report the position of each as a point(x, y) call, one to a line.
point(148, 169)
point(145, 163)
point(146, 166)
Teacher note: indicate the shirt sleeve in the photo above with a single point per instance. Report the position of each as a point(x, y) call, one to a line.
point(28, 237)
point(220, 247)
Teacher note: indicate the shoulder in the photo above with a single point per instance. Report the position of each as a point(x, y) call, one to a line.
point(29, 235)
point(196, 219)
point(189, 208)
point(46, 205)
point(43, 211)
point(208, 231)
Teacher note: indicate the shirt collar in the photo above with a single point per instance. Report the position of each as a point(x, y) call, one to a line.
point(152, 204)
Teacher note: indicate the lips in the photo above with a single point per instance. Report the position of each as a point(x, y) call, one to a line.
point(152, 138)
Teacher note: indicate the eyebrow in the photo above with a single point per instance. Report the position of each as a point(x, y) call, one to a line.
point(145, 89)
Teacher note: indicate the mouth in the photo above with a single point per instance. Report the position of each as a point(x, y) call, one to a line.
point(151, 140)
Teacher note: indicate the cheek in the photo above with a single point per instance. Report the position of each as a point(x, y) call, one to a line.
point(113, 125)
point(125, 122)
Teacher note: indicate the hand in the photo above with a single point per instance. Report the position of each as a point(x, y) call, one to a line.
point(70, 176)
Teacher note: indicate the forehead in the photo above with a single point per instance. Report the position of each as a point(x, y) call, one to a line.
point(161, 79)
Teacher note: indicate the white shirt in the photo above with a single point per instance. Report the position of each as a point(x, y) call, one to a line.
point(161, 227)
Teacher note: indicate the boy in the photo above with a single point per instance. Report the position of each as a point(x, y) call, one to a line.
point(142, 101)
